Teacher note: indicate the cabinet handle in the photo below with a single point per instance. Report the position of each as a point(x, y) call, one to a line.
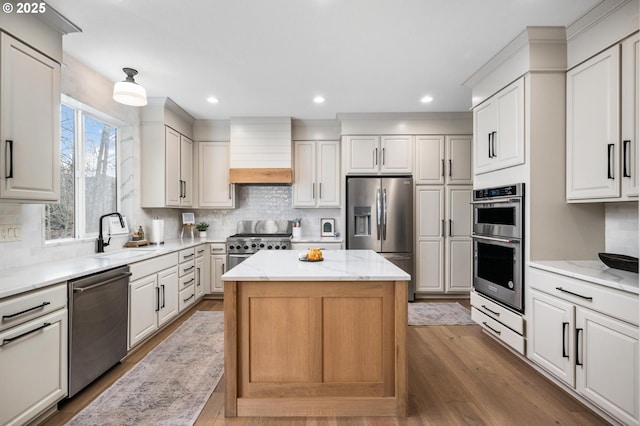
point(223, 268)
point(217, 249)
point(574, 294)
point(7, 341)
point(578, 360)
point(450, 227)
point(200, 251)
point(383, 156)
point(186, 283)
point(490, 311)
point(188, 269)
point(625, 158)
point(230, 189)
point(157, 299)
point(565, 325)
point(442, 233)
point(320, 191)
point(489, 143)
point(190, 297)
point(164, 295)
point(491, 328)
point(26, 310)
point(198, 275)
point(450, 167)
point(442, 173)
point(493, 143)
point(609, 158)
point(313, 191)
point(9, 145)
point(186, 256)
point(375, 156)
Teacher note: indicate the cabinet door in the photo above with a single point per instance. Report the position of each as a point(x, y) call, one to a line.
point(552, 344)
point(214, 189)
point(483, 128)
point(593, 133)
point(459, 247)
point(168, 284)
point(328, 173)
point(508, 144)
point(217, 268)
point(607, 364)
point(363, 154)
point(304, 184)
point(200, 278)
point(396, 154)
point(630, 111)
point(459, 212)
point(430, 161)
point(29, 123)
point(33, 368)
point(458, 164)
point(173, 190)
point(430, 239)
point(143, 305)
point(186, 170)
point(430, 261)
point(430, 212)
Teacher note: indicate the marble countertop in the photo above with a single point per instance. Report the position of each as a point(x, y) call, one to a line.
point(338, 265)
point(593, 271)
point(26, 278)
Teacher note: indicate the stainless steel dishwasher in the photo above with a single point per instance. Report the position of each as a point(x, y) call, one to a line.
point(98, 309)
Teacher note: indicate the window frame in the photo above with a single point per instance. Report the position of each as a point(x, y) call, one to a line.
point(80, 111)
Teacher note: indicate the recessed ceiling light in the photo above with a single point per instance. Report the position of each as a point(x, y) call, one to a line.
point(318, 99)
point(426, 99)
point(213, 100)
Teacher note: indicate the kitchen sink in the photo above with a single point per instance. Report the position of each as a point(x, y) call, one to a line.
point(126, 254)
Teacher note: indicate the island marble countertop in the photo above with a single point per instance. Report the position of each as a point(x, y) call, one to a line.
point(593, 271)
point(31, 277)
point(338, 265)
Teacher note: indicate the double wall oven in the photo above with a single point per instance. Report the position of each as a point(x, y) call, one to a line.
point(498, 237)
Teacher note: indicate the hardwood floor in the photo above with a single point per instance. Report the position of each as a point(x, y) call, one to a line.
point(457, 376)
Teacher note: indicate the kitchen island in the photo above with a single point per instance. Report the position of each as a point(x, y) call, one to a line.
point(315, 338)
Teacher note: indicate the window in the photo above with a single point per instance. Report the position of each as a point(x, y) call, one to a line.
point(88, 173)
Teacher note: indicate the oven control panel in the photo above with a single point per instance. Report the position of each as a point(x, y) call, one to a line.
point(516, 190)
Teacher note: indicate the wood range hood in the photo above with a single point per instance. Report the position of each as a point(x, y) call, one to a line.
point(260, 150)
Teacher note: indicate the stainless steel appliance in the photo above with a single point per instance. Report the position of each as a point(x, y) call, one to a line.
point(254, 235)
point(498, 236)
point(98, 312)
point(380, 218)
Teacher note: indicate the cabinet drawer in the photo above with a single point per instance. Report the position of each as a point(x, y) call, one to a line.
point(187, 280)
point(218, 248)
point(499, 331)
point(497, 312)
point(609, 301)
point(187, 297)
point(186, 254)
point(33, 368)
point(152, 266)
point(186, 268)
point(20, 308)
point(200, 250)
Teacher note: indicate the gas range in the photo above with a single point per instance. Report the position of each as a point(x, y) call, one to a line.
point(251, 243)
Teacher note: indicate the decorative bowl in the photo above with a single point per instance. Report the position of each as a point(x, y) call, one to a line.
point(620, 261)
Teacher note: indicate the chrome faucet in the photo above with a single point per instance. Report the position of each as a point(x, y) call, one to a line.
point(101, 243)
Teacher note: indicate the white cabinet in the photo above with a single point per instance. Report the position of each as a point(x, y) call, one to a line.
point(504, 324)
point(498, 130)
point(379, 154)
point(217, 267)
point(153, 296)
point(214, 189)
point(587, 336)
point(166, 174)
point(33, 354)
point(602, 102)
point(443, 242)
point(202, 271)
point(186, 278)
point(316, 180)
point(29, 124)
point(443, 159)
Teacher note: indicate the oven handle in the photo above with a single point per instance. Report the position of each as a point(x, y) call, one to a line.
point(497, 200)
point(500, 240)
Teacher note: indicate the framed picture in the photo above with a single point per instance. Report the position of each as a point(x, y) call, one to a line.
point(188, 219)
point(327, 227)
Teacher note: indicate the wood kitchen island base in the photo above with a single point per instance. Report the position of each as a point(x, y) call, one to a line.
point(315, 348)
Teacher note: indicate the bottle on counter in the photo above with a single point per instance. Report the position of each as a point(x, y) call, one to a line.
point(140, 233)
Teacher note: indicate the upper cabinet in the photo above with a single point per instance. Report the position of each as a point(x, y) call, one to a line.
point(166, 155)
point(499, 129)
point(602, 102)
point(29, 124)
point(316, 174)
point(379, 154)
point(441, 160)
point(214, 189)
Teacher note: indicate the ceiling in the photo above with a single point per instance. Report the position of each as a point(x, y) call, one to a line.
point(271, 58)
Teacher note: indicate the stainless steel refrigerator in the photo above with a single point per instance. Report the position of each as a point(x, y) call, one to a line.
point(380, 218)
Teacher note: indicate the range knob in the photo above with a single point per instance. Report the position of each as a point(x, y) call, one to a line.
point(269, 247)
point(277, 247)
point(283, 247)
point(246, 247)
point(238, 247)
point(261, 245)
point(253, 245)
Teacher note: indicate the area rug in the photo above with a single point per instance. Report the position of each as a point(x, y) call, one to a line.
point(438, 314)
point(170, 385)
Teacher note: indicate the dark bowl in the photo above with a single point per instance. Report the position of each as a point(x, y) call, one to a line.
point(620, 261)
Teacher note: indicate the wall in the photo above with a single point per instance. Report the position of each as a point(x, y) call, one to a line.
point(621, 224)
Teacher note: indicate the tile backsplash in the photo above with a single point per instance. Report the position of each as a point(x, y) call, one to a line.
point(621, 228)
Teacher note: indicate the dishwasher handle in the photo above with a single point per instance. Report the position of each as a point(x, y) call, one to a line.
point(101, 283)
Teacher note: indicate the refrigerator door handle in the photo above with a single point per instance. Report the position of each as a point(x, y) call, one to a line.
point(378, 213)
point(384, 214)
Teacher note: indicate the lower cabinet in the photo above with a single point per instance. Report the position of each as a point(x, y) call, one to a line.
point(153, 298)
point(587, 341)
point(217, 267)
point(33, 354)
point(502, 323)
point(202, 272)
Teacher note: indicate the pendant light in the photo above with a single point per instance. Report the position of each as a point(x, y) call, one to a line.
point(129, 92)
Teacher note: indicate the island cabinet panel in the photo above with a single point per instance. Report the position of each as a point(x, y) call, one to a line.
point(315, 348)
